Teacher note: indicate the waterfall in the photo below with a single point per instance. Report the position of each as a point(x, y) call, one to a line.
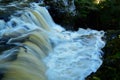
point(33, 47)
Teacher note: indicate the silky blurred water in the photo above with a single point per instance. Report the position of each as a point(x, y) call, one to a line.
point(71, 55)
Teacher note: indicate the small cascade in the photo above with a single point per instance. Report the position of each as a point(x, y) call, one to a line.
point(39, 49)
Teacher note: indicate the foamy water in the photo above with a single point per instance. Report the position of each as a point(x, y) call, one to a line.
point(75, 55)
point(68, 55)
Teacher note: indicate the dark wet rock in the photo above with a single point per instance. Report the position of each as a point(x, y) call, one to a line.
point(1, 74)
point(62, 6)
point(73, 14)
point(62, 11)
point(113, 42)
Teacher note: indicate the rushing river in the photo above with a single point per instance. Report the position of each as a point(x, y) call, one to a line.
point(35, 48)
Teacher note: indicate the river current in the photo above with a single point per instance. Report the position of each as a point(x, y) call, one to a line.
point(36, 48)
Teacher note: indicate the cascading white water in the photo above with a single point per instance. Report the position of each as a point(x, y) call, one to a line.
point(76, 55)
point(42, 45)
